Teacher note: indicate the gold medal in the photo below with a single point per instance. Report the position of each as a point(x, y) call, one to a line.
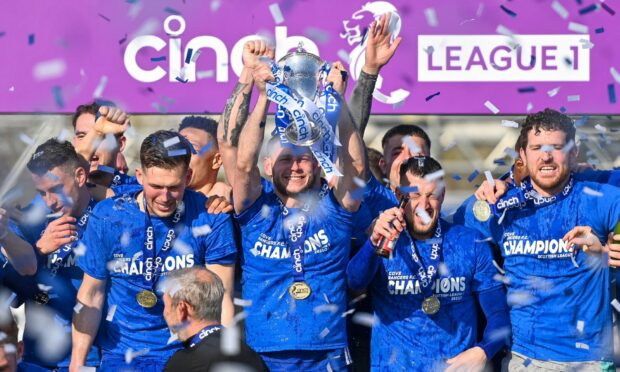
point(299, 290)
point(146, 299)
point(431, 305)
point(482, 210)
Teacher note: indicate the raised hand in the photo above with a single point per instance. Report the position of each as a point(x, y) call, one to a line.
point(379, 47)
point(112, 121)
point(338, 76)
point(262, 74)
point(253, 50)
point(58, 233)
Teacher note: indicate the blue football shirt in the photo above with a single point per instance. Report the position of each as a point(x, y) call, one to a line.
point(114, 240)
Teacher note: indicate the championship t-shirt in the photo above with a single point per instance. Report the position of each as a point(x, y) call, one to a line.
point(276, 321)
point(404, 337)
point(61, 285)
point(559, 309)
point(114, 242)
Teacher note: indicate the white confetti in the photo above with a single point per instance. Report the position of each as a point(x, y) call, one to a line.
point(553, 92)
point(449, 146)
point(276, 13)
point(501, 278)
point(357, 299)
point(171, 141)
point(615, 74)
point(100, 87)
point(573, 98)
point(25, 139)
point(324, 333)
point(580, 325)
point(586, 44)
point(546, 148)
point(242, 302)
point(265, 210)
point(77, 308)
point(499, 268)
point(559, 8)
point(569, 146)
point(364, 319)
point(173, 338)
point(215, 5)
point(348, 312)
point(230, 340)
point(431, 17)
point(510, 124)
point(11, 89)
point(205, 74)
point(111, 313)
point(10, 349)
point(503, 30)
point(491, 107)
point(201, 230)
point(600, 128)
point(443, 269)
point(414, 149)
point(489, 177)
point(592, 192)
point(434, 176)
point(51, 69)
point(426, 219)
point(572, 258)
point(520, 298)
point(581, 345)
point(511, 152)
point(344, 55)
point(529, 107)
point(359, 182)
point(489, 239)
point(616, 304)
point(80, 249)
point(326, 308)
point(578, 27)
point(131, 355)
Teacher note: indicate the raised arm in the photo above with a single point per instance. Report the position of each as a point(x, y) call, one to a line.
point(91, 296)
point(237, 108)
point(379, 51)
point(247, 187)
point(352, 154)
point(112, 121)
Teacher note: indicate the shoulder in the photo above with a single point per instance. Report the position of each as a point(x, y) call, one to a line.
point(459, 233)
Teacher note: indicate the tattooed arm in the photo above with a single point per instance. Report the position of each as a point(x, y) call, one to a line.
point(237, 107)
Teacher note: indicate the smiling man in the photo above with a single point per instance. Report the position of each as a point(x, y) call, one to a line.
point(424, 296)
point(557, 279)
point(132, 241)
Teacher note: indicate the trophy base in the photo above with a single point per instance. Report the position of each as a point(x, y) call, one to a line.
point(291, 134)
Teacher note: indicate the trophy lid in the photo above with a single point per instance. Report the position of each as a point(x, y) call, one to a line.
point(302, 71)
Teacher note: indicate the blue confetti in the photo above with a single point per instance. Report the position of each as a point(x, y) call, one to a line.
point(179, 152)
point(588, 9)
point(188, 57)
point(532, 60)
point(432, 95)
point(106, 169)
point(30, 39)
point(58, 96)
point(172, 11)
point(181, 80)
point(499, 161)
point(158, 59)
point(582, 121)
point(562, 109)
point(473, 175)
point(527, 362)
point(456, 177)
point(600, 30)
point(508, 11)
point(105, 102)
point(579, 2)
point(568, 61)
point(104, 17)
point(121, 41)
point(608, 9)
point(131, 1)
point(611, 89)
point(204, 149)
point(2, 33)
point(527, 90)
point(408, 189)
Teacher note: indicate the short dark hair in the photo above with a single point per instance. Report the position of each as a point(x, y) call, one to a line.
point(405, 130)
point(87, 108)
point(374, 157)
point(420, 166)
point(547, 120)
point(200, 122)
point(51, 154)
point(154, 153)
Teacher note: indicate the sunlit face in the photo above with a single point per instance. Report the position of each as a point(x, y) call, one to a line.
point(201, 164)
point(163, 188)
point(428, 197)
point(60, 189)
point(106, 151)
point(293, 169)
point(396, 152)
point(547, 164)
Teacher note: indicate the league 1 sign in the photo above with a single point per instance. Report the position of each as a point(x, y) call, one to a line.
point(456, 57)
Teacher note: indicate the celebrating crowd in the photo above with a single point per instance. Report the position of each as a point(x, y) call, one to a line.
point(286, 266)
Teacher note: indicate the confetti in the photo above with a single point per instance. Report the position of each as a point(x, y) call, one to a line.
point(347, 313)
point(559, 9)
point(100, 87)
point(242, 302)
point(553, 92)
point(357, 299)
point(230, 340)
point(581, 345)
point(423, 214)
point(473, 175)
point(188, 57)
point(526, 90)
point(489, 177)
point(56, 92)
point(529, 107)
point(276, 13)
point(171, 11)
point(31, 39)
point(54, 215)
point(586, 44)
point(569, 146)
point(111, 313)
point(104, 17)
point(501, 278)
point(503, 30)
point(611, 91)
point(600, 128)
point(616, 304)
point(364, 319)
point(122, 41)
point(520, 298)
point(131, 355)
point(201, 230)
point(435, 175)
point(413, 147)
point(79, 250)
point(171, 141)
point(179, 152)
point(456, 177)
point(204, 74)
point(215, 5)
point(600, 30)
point(615, 74)
point(608, 9)
point(324, 333)
point(344, 55)
point(10, 349)
point(508, 11)
point(443, 269)
point(489, 239)
point(572, 258)
point(510, 124)
point(431, 96)
point(578, 27)
point(527, 362)
point(181, 80)
point(588, 9)
point(491, 107)
point(431, 17)
point(318, 35)
point(580, 325)
point(173, 338)
point(50, 69)
point(573, 98)
point(2, 33)
point(592, 192)
point(25, 139)
point(77, 308)
point(326, 308)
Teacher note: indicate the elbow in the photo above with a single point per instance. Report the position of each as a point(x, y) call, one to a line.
point(244, 166)
point(28, 269)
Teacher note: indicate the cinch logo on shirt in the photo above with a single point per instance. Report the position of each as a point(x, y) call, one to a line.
point(453, 287)
point(521, 245)
point(126, 265)
point(274, 249)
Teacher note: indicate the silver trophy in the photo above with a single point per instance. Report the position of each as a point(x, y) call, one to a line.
point(302, 73)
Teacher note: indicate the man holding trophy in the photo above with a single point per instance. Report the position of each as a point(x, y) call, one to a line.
point(295, 228)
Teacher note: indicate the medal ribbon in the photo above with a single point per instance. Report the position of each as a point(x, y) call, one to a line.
point(153, 262)
point(204, 333)
point(426, 274)
point(66, 250)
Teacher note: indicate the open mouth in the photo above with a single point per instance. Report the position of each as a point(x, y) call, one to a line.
point(547, 170)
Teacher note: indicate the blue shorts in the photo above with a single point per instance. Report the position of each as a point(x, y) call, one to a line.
point(116, 363)
point(308, 360)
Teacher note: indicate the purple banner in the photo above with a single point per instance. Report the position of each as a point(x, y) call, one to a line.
point(456, 57)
